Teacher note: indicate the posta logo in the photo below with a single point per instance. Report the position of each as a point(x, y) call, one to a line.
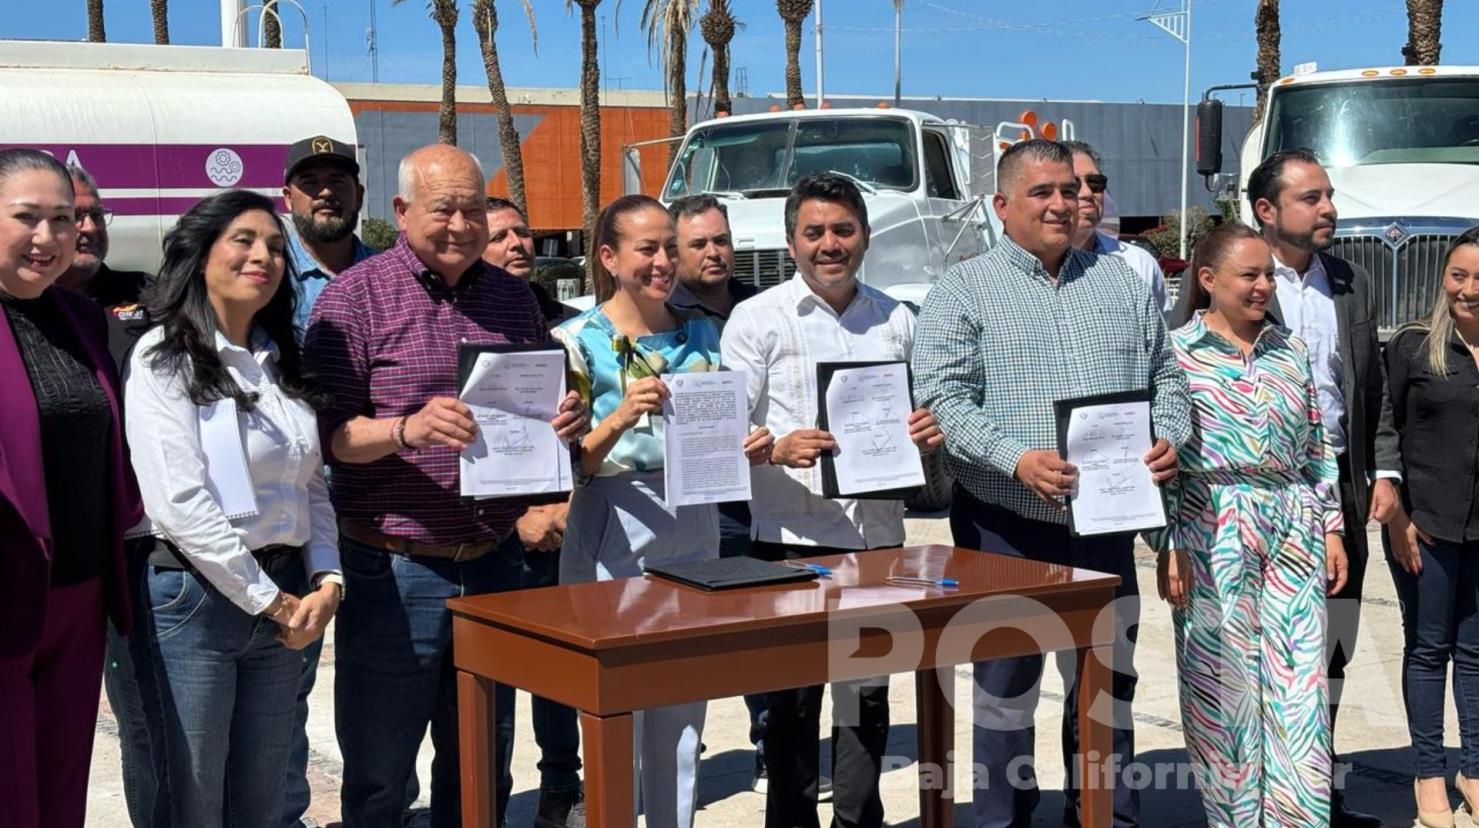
point(224, 167)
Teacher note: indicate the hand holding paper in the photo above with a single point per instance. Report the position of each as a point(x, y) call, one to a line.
point(521, 416)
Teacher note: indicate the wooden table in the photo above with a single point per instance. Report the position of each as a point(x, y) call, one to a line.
point(612, 647)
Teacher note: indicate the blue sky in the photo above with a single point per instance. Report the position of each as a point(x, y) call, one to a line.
point(1063, 49)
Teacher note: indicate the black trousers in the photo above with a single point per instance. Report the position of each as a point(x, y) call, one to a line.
point(793, 734)
point(1344, 608)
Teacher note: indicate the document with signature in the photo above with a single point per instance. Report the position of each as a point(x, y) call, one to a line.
point(1107, 437)
point(514, 392)
point(705, 418)
point(866, 407)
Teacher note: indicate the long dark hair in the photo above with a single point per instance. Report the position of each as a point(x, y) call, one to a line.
point(179, 302)
point(1209, 253)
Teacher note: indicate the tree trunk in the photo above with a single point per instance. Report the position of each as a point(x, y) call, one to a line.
point(1424, 27)
point(678, 89)
point(722, 103)
point(95, 32)
point(271, 25)
point(447, 114)
point(1266, 22)
point(485, 21)
point(590, 122)
point(159, 9)
point(794, 96)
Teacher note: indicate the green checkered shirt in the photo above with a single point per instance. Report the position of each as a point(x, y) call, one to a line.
point(997, 343)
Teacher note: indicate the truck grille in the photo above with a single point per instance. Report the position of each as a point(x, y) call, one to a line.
point(763, 268)
point(1406, 271)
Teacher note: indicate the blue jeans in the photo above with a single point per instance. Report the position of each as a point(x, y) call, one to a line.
point(229, 689)
point(1440, 622)
point(296, 794)
point(394, 676)
point(1006, 690)
point(556, 728)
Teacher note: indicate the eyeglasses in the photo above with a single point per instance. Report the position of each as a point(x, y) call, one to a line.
point(101, 216)
point(1097, 183)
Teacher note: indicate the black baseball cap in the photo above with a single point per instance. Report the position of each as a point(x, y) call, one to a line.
point(319, 148)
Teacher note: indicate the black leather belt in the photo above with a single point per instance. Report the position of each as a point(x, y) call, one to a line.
point(168, 556)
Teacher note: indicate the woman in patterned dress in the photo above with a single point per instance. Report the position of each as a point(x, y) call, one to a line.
point(1252, 548)
point(619, 518)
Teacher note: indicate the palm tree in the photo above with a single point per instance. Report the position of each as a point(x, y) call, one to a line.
point(95, 33)
point(590, 117)
point(793, 12)
point(898, 51)
point(1266, 22)
point(485, 21)
point(672, 21)
point(159, 9)
point(444, 12)
point(1424, 23)
point(718, 26)
point(271, 25)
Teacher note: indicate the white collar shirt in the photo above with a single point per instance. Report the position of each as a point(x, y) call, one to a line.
point(1307, 307)
point(281, 445)
point(777, 338)
point(1140, 261)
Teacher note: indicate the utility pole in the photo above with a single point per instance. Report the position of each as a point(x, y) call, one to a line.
point(1178, 25)
point(898, 53)
point(372, 37)
point(820, 87)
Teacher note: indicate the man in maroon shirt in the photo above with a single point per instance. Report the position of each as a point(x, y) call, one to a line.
point(383, 339)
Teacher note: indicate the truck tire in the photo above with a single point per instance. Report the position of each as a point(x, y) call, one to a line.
point(935, 494)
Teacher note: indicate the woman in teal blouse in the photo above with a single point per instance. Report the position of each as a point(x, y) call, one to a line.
point(619, 518)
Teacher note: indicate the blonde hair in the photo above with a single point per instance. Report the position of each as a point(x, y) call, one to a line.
point(1440, 320)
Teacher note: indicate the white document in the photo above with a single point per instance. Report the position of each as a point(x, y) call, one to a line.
point(1115, 492)
point(513, 397)
point(226, 475)
point(868, 416)
point(706, 418)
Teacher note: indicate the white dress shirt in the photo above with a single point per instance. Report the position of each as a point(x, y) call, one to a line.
point(777, 338)
point(280, 438)
point(1308, 309)
point(1142, 262)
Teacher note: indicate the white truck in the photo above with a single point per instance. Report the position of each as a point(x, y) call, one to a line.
point(1402, 148)
point(161, 127)
point(926, 182)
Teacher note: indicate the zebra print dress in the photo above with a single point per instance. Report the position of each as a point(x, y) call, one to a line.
point(1256, 494)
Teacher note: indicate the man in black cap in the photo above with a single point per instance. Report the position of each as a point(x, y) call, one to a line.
point(322, 190)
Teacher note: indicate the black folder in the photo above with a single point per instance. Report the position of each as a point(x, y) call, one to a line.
point(467, 357)
point(729, 573)
point(825, 371)
point(1063, 409)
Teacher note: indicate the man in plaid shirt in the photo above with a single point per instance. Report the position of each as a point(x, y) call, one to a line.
point(1000, 338)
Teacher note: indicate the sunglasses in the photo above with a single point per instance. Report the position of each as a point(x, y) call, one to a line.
point(1097, 183)
point(101, 216)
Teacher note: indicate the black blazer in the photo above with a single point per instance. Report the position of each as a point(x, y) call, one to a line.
point(1371, 440)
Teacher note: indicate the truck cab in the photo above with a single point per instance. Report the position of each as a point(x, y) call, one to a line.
point(1401, 145)
point(923, 179)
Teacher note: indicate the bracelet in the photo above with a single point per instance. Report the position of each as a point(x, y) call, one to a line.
point(398, 433)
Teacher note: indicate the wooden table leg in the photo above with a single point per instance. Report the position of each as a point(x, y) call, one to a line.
point(1095, 738)
point(606, 742)
point(935, 700)
point(476, 746)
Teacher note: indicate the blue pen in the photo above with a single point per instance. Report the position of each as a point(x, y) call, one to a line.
point(948, 583)
point(817, 568)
